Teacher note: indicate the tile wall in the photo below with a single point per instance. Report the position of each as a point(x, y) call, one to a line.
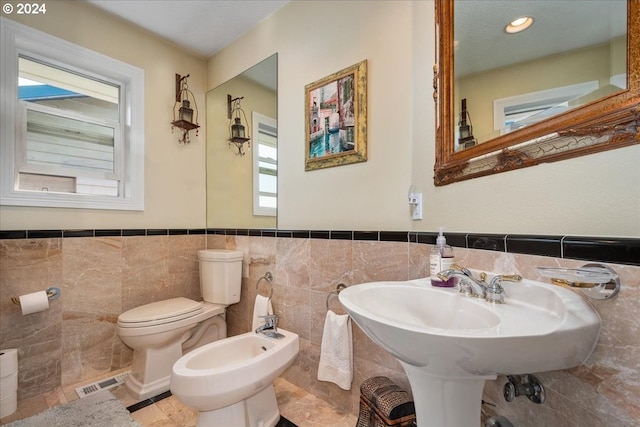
point(100, 277)
point(102, 273)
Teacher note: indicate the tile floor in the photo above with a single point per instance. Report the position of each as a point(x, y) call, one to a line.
point(297, 405)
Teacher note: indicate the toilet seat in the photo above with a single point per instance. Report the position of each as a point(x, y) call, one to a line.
point(159, 313)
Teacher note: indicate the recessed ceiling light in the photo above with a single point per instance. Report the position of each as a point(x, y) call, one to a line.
point(519, 24)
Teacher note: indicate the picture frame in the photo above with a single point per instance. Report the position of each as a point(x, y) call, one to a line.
point(336, 119)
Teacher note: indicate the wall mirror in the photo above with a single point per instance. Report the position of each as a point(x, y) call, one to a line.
point(556, 90)
point(242, 189)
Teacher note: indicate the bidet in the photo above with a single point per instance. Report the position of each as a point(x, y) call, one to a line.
point(230, 381)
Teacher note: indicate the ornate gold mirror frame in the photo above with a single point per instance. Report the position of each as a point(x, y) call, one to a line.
point(609, 123)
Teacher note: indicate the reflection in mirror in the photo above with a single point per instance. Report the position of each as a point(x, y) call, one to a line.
point(567, 56)
point(500, 110)
point(242, 190)
point(72, 129)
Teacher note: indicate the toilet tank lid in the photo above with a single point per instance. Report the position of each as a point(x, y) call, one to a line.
point(169, 308)
point(220, 254)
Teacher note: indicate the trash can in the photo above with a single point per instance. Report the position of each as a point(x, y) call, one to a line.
point(8, 382)
point(384, 404)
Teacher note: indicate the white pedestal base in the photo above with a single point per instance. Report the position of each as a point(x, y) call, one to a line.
point(151, 370)
point(260, 410)
point(446, 401)
point(142, 391)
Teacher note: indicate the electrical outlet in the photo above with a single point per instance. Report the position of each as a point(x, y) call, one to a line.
point(415, 200)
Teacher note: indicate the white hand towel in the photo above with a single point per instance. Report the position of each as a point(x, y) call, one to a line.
point(261, 307)
point(336, 351)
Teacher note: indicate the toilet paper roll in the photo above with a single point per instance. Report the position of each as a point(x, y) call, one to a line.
point(8, 385)
point(8, 362)
point(34, 302)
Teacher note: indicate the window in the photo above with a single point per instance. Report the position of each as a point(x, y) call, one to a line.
point(265, 165)
point(517, 111)
point(72, 126)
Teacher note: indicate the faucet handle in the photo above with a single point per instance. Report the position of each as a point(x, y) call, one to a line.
point(270, 321)
point(511, 277)
point(495, 292)
point(495, 282)
point(464, 270)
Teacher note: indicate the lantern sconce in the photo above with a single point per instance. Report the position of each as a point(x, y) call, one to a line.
point(237, 134)
point(466, 139)
point(183, 112)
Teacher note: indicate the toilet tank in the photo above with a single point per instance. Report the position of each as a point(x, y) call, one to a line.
point(220, 275)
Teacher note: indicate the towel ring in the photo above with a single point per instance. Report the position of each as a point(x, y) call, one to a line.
point(339, 288)
point(269, 278)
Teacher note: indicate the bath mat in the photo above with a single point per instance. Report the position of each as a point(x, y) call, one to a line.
point(99, 410)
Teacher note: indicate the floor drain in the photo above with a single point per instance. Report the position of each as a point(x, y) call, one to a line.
point(105, 384)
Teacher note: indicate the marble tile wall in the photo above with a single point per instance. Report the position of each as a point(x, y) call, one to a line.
point(603, 391)
point(101, 277)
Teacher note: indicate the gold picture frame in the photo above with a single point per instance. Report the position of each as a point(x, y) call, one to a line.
point(336, 119)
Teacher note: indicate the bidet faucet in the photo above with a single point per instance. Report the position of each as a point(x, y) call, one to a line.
point(467, 284)
point(270, 326)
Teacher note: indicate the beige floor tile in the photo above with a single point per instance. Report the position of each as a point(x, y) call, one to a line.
point(152, 416)
point(177, 412)
point(297, 405)
point(123, 396)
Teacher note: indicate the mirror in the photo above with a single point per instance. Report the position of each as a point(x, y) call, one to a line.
point(506, 106)
point(242, 189)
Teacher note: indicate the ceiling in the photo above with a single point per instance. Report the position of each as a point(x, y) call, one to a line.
point(559, 26)
point(203, 27)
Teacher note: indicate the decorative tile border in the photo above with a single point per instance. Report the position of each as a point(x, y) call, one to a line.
point(52, 234)
point(602, 249)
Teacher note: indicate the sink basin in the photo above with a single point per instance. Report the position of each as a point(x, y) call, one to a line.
point(449, 344)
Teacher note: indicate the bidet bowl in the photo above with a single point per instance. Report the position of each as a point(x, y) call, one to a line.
point(233, 369)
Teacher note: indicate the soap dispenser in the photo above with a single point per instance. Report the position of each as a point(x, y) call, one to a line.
point(441, 259)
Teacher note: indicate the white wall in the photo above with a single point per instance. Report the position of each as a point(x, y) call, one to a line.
point(230, 176)
point(597, 194)
point(313, 40)
point(174, 173)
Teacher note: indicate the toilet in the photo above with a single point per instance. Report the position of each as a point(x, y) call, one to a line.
point(161, 332)
point(230, 382)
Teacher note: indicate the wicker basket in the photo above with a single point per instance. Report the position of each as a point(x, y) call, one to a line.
point(384, 404)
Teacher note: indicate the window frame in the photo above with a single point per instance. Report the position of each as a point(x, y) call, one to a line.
point(20, 40)
point(23, 165)
point(257, 119)
point(542, 98)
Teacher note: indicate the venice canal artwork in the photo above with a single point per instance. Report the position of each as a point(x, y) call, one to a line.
point(331, 127)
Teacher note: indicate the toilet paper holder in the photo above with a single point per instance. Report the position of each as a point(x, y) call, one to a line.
point(52, 293)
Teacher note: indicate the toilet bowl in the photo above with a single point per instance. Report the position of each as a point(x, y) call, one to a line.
point(158, 341)
point(230, 382)
point(161, 332)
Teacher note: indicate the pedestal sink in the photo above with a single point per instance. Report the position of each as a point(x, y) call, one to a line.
point(449, 344)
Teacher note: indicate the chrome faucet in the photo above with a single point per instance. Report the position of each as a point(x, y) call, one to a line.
point(495, 291)
point(270, 327)
point(467, 284)
point(470, 286)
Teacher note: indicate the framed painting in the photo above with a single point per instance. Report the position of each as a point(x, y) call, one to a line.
point(336, 119)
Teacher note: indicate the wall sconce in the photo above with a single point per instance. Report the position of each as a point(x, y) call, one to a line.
point(183, 113)
point(237, 134)
point(466, 138)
